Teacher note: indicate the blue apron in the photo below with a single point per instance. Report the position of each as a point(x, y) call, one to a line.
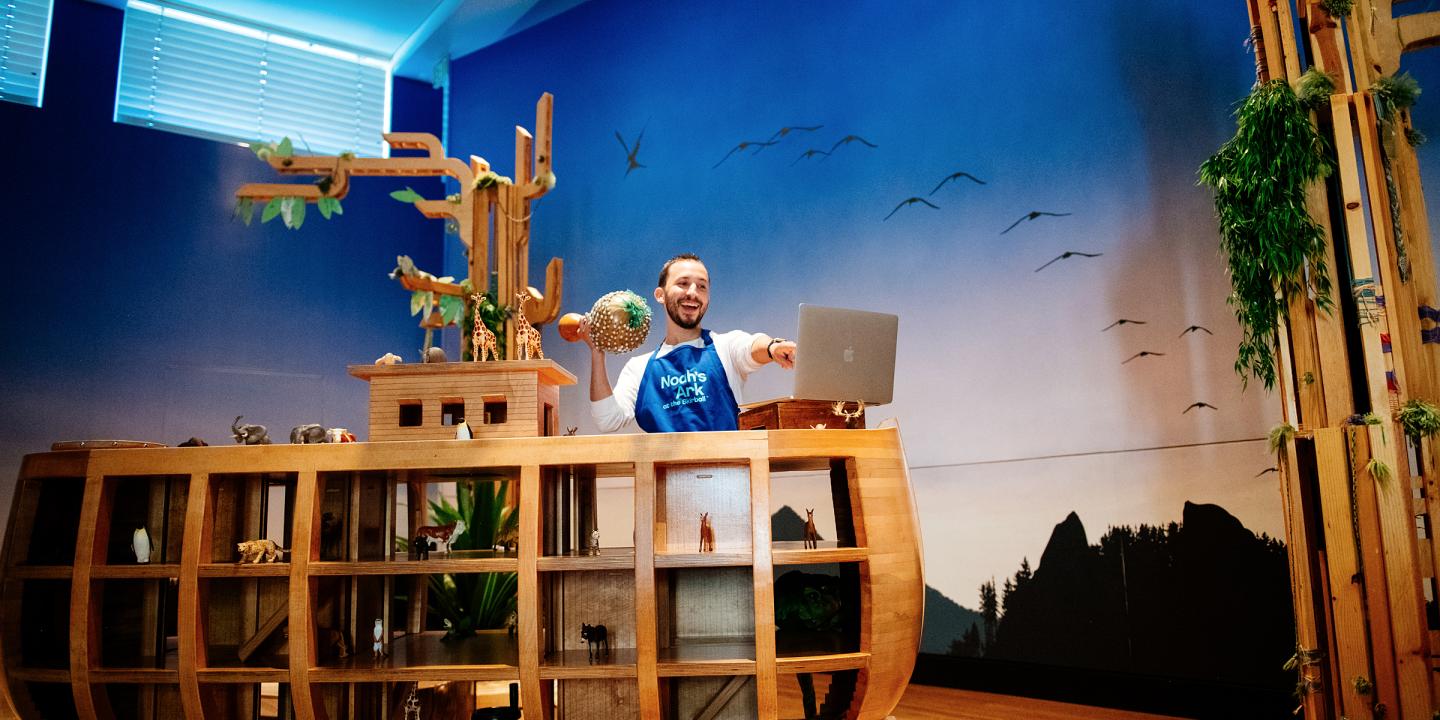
point(686, 391)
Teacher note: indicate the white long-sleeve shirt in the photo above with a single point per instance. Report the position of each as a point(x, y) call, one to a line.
point(618, 410)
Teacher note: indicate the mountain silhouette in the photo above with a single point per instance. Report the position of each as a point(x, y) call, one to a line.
point(1204, 598)
point(945, 622)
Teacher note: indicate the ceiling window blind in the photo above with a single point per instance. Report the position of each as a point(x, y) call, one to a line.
point(24, 41)
point(204, 76)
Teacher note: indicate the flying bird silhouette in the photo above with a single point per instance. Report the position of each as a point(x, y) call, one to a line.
point(630, 153)
point(1066, 256)
point(1199, 405)
point(1122, 321)
point(812, 152)
point(1031, 216)
point(742, 146)
point(911, 201)
point(849, 139)
point(782, 132)
point(1143, 353)
point(1267, 470)
point(957, 176)
point(1193, 328)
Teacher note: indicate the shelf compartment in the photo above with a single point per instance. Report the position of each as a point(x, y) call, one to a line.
point(610, 558)
point(47, 517)
point(137, 625)
point(155, 502)
point(683, 492)
point(705, 618)
point(156, 571)
point(721, 696)
point(598, 698)
point(569, 600)
point(252, 699)
point(487, 655)
point(794, 552)
point(44, 626)
point(459, 562)
point(143, 698)
point(248, 506)
point(244, 620)
point(40, 572)
point(51, 700)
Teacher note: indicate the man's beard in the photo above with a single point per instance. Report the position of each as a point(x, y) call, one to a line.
point(673, 310)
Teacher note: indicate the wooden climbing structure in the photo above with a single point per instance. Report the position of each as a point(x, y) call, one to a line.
point(476, 210)
point(1362, 546)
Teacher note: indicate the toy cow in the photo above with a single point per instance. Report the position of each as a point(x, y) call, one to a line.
point(441, 534)
point(597, 639)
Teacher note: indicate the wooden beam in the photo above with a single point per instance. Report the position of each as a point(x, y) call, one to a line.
point(722, 698)
point(263, 633)
point(1418, 31)
point(304, 549)
point(1347, 599)
point(527, 601)
point(646, 622)
point(763, 572)
point(194, 546)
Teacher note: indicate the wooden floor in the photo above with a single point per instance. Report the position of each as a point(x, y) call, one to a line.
point(922, 702)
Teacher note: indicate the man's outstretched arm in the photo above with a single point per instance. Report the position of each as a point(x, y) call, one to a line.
point(764, 349)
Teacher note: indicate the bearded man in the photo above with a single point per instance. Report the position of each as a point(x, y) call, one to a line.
point(694, 380)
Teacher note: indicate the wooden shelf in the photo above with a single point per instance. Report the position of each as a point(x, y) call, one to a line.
point(491, 655)
point(144, 676)
point(237, 570)
point(39, 572)
point(608, 559)
point(241, 675)
point(799, 464)
point(40, 675)
point(794, 552)
point(434, 566)
point(155, 571)
point(724, 656)
point(822, 663)
point(701, 560)
point(575, 664)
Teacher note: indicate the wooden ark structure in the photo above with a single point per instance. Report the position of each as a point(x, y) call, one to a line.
point(1363, 557)
point(89, 633)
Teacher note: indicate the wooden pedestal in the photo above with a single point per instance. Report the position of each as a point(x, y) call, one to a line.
point(797, 415)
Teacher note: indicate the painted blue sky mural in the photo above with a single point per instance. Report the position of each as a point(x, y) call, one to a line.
point(1019, 398)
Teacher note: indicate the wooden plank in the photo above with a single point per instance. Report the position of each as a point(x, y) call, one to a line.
point(279, 617)
point(1269, 49)
point(1407, 602)
point(723, 697)
point(84, 602)
point(1327, 47)
point(157, 571)
point(189, 626)
point(764, 579)
point(822, 663)
point(1373, 571)
point(1285, 25)
point(1333, 375)
point(1347, 601)
point(437, 565)
point(1403, 327)
point(1308, 581)
point(305, 548)
point(528, 593)
point(646, 622)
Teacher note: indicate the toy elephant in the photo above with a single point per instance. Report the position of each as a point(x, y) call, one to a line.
point(307, 434)
point(249, 434)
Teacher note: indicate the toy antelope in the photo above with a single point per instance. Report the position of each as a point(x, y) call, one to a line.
point(707, 534)
point(812, 538)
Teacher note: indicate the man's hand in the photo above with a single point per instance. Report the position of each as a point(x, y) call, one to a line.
point(784, 353)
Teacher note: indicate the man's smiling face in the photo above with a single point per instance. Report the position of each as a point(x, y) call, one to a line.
point(686, 293)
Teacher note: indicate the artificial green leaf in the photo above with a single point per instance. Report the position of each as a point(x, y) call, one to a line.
point(244, 208)
point(418, 300)
point(335, 206)
point(323, 205)
point(284, 149)
point(297, 213)
point(407, 195)
point(450, 308)
point(272, 209)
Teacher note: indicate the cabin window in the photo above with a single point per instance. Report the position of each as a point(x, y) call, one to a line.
point(411, 413)
point(452, 411)
point(495, 410)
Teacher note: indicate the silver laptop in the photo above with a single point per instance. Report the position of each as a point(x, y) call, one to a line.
point(845, 355)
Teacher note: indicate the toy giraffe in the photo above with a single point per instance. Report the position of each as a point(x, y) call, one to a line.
point(527, 338)
point(482, 340)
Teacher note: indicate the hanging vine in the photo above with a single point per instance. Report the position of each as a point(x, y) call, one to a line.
point(1393, 94)
point(1260, 178)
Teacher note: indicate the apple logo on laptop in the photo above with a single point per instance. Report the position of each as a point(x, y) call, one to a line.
point(849, 355)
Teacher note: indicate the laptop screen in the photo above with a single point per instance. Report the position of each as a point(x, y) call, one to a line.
point(845, 355)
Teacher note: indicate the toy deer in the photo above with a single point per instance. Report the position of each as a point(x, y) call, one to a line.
point(707, 534)
point(812, 538)
point(527, 338)
point(482, 340)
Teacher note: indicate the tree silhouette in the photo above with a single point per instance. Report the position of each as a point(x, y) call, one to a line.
point(989, 613)
point(967, 645)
